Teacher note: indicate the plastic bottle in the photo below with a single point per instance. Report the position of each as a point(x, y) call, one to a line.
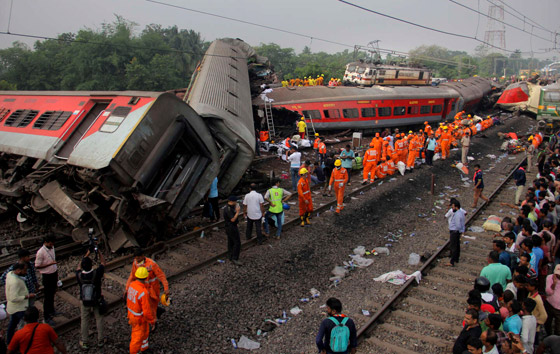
point(284, 314)
point(234, 343)
point(281, 320)
point(305, 299)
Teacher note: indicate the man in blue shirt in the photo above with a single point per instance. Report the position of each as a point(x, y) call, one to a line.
point(323, 339)
point(430, 148)
point(211, 208)
point(456, 219)
point(500, 247)
point(513, 323)
point(527, 246)
point(347, 155)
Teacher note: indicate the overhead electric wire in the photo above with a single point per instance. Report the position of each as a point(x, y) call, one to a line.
point(538, 25)
point(498, 20)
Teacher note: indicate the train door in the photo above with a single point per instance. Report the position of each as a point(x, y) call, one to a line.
point(74, 138)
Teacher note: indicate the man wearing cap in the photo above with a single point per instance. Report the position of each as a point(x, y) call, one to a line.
point(276, 197)
point(231, 216)
point(304, 197)
point(552, 303)
point(465, 144)
point(445, 141)
point(339, 177)
point(302, 127)
point(316, 144)
point(139, 311)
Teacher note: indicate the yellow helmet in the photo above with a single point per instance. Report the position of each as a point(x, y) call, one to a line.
point(488, 117)
point(469, 116)
point(323, 75)
point(304, 171)
point(410, 132)
point(316, 134)
point(338, 162)
point(141, 273)
point(318, 76)
point(530, 138)
point(165, 301)
point(302, 118)
point(444, 127)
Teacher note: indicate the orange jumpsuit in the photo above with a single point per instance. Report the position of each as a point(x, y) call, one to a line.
point(298, 81)
point(388, 152)
point(412, 152)
point(377, 145)
point(339, 177)
point(537, 140)
point(459, 115)
point(445, 141)
point(382, 170)
point(399, 149)
point(391, 168)
point(473, 130)
point(139, 315)
point(428, 129)
point(155, 276)
point(316, 143)
point(370, 163)
point(304, 194)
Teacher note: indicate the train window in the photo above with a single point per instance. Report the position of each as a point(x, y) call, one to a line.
point(437, 108)
point(115, 119)
point(351, 68)
point(413, 110)
point(381, 72)
point(313, 114)
point(384, 111)
point(453, 105)
point(3, 113)
point(350, 113)
point(361, 70)
point(368, 112)
point(425, 109)
point(52, 120)
point(331, 113)
point(21, 118)
point(399, 111)
point(551, 96)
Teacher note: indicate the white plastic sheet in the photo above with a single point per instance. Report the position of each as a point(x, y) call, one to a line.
point(246, 343)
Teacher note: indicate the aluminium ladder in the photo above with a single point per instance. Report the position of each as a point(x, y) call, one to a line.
point(269, 119)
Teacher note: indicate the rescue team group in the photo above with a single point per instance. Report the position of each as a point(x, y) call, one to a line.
point(310, 81)
point(514, 306)
point(142, 296)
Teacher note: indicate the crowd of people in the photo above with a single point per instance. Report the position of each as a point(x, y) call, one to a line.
point(142, 295)
point(514, 306)
point(311, 81)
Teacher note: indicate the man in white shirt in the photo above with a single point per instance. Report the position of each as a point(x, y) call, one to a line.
point(294, 158)
point(253, 210)
point(45, 263)
point(489, 339)
point(529, 328)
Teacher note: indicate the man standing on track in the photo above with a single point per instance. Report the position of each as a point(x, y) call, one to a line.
point(302, 127)
point(370, 163)
point(478, 185)
point(231, 217)
point(445, 142)
point(456, 218)
point(155, 276)
point(465, 143)
point(339, 177)
point(253, 211)
point(346, 156)
point(276, 196)
point(520, 180)
point(140, 314)
point(304, 197)
point(45, 263)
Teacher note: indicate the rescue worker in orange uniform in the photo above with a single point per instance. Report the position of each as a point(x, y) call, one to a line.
point(427, 128)
point(445, 142)
point(377, 144)
point(370, 164)
point(412, 151)
point(387, 150)
point(391, 168)
point(322, 148)
point(155, 276)
point(304, 197)
point(140, 315)
point(292, 82)
point(459, 115)
point(382, 170)
point(298, 81)
point(339, 177)
point(537, 140)
point(399, 148)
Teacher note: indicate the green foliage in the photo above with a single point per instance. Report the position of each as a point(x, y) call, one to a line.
point(113, 58)
point(6, 86)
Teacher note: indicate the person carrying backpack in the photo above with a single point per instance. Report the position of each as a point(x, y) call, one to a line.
point(89, 280)
point(337, 333)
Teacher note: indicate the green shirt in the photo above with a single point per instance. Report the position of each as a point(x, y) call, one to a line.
point(496, 273)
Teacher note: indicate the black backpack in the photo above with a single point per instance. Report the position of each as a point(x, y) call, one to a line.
point(89, 291)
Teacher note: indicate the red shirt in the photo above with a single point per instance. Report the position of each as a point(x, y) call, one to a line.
point(42, 340)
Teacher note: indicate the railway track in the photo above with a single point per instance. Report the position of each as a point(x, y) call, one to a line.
point(427, 316)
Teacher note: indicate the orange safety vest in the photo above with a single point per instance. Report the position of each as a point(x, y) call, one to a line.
point(264, 135)
point(370, 155)
point(322, 148)
point(338, 176)
point(137, 302)
point(316, 143)
point(155, 276)
point(288, 143)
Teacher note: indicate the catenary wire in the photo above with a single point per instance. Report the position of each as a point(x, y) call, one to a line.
point(538, 25)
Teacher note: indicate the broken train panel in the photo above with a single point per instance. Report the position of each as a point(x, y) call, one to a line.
point(126, 163)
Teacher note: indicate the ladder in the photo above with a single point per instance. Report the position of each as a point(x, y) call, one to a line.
point(269, 119)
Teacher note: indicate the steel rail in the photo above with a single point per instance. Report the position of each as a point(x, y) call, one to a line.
point(364, 330)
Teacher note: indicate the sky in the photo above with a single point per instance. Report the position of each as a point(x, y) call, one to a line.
point(320, 19)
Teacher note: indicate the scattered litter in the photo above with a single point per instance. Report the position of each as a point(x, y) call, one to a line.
point(292, 203)
point(437, 206)
point(413, 259)
point(402, 167)
point(339, 273)
point(392, 179)
point(466, 242)
point(314, 293)
point(411, 179)
point(476, 229)
point(512, 158)
point(353, 198)
point(215, 228)
point(234, 343)
point(412, 234)
point(360, 261)
point(490, 156)
point(380, 183)
point(465, 179)
point(470, 237)
point(470, 158)
point(397, 277)
point(422, 215)
point(295, 311)
point(365, 313)
point(382, 250)
point(418, 198)
point(221, 261)
point(305, 299)
point(466, 185)
point(360, 250)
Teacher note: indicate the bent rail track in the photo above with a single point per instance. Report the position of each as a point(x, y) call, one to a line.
point(408, 322)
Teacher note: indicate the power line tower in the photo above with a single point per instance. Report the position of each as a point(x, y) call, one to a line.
point(495, 34)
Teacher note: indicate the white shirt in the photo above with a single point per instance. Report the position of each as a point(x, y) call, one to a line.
point(528, 331)
point(45, 256)
point(511, 287)
point(478, 127)
point(253, 201)
point(295, 159)
point(494, 350)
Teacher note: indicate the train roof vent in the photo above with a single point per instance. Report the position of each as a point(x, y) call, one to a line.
point(21, 118)
point(52, 120)
point(3, 113)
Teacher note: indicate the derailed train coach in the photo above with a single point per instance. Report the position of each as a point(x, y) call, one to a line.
point(130, 165)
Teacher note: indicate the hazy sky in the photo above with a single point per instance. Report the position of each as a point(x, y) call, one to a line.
point(327, 19)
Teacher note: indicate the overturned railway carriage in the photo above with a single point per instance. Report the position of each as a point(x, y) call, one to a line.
point(336, 108)
point(128, 164)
